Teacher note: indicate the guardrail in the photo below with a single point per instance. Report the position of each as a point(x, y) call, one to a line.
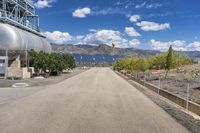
point(191, 106)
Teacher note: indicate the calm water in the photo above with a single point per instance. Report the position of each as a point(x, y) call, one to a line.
point(96, 58)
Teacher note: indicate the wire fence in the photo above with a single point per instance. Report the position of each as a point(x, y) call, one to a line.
point(186, 89)
point(183, 101)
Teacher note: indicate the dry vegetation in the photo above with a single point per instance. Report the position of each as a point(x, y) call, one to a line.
point(178, 80)
point(175, 71)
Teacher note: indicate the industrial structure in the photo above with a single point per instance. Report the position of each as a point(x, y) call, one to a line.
point(19, 32)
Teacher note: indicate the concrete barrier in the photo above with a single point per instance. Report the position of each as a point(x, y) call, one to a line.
point(193, 107)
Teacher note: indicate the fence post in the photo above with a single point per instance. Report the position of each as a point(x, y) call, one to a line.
point(188, 94)
point(159, 87)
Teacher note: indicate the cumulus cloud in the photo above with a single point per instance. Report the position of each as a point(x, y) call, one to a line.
point(102, 37)
point(95, 37)
point(133, 43)
point(195, 46)
point(134, 18)
point(81, 12)
point(152, 26)
point(108, 37)
point(43, 3)
point(131, 32)
point(164, 46)
point(58, 37)
point(178, 45)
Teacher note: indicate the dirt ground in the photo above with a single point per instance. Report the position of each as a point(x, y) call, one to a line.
point(177, 81)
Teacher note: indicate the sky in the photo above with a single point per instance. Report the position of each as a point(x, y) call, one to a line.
point(143, 24)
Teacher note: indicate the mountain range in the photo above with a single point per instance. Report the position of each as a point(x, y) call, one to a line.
point(107, 50)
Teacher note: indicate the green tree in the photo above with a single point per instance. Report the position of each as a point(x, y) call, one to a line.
point(50, 63)
point(142, 65)
point(169, 60)
point(157, 61)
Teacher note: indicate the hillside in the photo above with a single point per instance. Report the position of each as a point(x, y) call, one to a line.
point(105, 49)
point(102, 49)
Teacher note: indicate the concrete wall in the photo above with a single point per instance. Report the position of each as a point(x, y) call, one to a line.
point(15, 71)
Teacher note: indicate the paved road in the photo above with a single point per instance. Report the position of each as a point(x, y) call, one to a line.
point(8, 95)
point(96, 101)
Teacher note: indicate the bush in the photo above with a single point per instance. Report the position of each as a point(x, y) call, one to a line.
point(157, 62)
point(50, 63)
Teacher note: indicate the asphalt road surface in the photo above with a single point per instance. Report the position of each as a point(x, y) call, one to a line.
point(95, 101)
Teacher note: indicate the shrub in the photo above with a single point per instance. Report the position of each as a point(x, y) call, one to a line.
point(50, 63)
point(160, 61)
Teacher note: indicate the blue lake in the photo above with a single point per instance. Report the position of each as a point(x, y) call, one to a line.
point(96, 58)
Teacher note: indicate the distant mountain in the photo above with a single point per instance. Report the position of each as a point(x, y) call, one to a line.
point(193, 54)
point(102, 49)
point(105, 49)
point(84, 46)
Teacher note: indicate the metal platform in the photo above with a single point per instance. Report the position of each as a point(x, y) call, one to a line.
point(19, 27)
point(20, 13)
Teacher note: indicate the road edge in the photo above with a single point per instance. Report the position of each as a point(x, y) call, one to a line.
point(177, 112)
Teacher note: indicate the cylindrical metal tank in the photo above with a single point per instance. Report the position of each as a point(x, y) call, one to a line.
point(13, 38)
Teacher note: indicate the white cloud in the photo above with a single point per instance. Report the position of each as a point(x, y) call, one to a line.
point(108, 37)
point(102, 37)
point(134, 18)
point(152, 26)
point(58, 37)
point(155, 5)
point(108, 11)
point(195, 46)
point(148, 6)
point(131, 32)
point(43, 3)
point(164, 46)
point(133, 43)
point(81, 12)
point(178, 45)
point(95, 37)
